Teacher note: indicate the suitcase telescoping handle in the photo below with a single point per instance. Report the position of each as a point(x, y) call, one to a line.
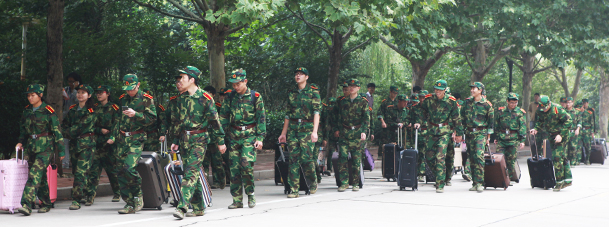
point(536, 156)
point(179, 160)
point(400, 142)
point(22, 155)
point(281, 146)
point(164, 148)
point(416, 139)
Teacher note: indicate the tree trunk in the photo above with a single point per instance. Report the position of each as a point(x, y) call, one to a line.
point(215, 50)
point(54, 60)
point(336, 57)
point(578, 79)
point(603, 102)
point(479, 62)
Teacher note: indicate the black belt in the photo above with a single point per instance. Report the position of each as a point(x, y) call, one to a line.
point(244, 127)
point(35, 136)
point(474, 129)
point(86, 135)
point(300, 120)
point(194, 132)
point(128, 134)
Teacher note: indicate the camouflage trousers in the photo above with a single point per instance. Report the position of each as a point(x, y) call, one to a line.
point(219, 164)
point(193, 153)
point(573, 153)
point(509, 148)
point(82, 158)
point(476, 144)
point(152, 142)
point(562, 168)
point(37, 184)
point(302, 154)
point(450, 159)
point(586, 137)
point(435, 154)
point(421, 147)
point(128, 154)
point(331, 148)
point(355, 148)
point(241, 160)
point(103, 158)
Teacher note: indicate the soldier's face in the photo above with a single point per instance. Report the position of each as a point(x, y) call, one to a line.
point(221, 98)
point(569, 104)
point(82, 95)
point(34, 98)
point(393, 94)
point(371, 90)
point(184, 82)
point(345, 90)
point(240, 87)
point(563, 104)
point(512, 104)
point(300, 77)
point(537, 97)
point(353, 89)
point(102, 96)
point(585, 105)
point(402, 104)
point(134, 91)
point(475, 91)
point(439, 93)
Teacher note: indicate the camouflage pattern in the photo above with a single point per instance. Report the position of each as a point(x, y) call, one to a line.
point(393, 116)
point(353, 119)
point(129, 148)
point(77, 123)
point(477, 114)
point(155, 131)
point(238, 111)
point(588, 122)
point(39, 151)
point(171, 120)
point(574, 154)
point(328, 115)
point(511, 130)
point(196, 112)
point(557, 121)
point(450, 159)
point(104, 157)
point(422, 142)
point(387, 135)
point(436, 111)
point(302, 104)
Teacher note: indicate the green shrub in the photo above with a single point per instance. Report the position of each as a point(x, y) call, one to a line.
point(274, 125)
point(12, 103)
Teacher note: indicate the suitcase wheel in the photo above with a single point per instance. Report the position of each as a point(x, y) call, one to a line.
point(52, 205)
point(276, 183)
point(401, 188)
point(159, 208)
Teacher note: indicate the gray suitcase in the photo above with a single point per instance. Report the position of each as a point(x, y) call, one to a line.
point(154, 186)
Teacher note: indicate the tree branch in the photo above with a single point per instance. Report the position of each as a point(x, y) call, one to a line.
point(469, 62)
point(502, 53)
point(347, 35)
point(311, 24)
point(202, 5)
point(355, 47)
point(393, 47)
point(311, 27)
point(200, 11)
point(183, 9)
point(232, 30)
point(166, 13)
point(516, 63)
point(543, 69)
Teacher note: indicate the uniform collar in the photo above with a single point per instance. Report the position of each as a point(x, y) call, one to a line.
point(482, 100)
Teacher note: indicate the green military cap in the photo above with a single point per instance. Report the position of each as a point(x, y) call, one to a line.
point(414, 98)
point(584, 101)
point(224, 91)
point(85, 87)
point(512, 96)
point(34, 88)
point(105, 88)
point(147, 91)
point(331, 99)
point(130, 81)
point(303, 70)
point(479, 85)
point(460, 102)
point(345, 84)
point(569, 98)
point(440, 84)
point(448, 90)
point(354, 82)
point(394, 88)
point(563, 99)
point(544, 103)
point(423, 93)
point(191, 71)
point(237, 75)
point(578, 104)
point(402, 97)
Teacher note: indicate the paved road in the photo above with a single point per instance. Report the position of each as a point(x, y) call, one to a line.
point(378, 203)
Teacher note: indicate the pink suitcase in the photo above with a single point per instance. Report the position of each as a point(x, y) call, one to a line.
point(52, 181)
point(13, 176)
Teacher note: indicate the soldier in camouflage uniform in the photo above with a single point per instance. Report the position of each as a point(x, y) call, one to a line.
point(422, 143)
point(441, 113)
point(573, 154)
point(397, 117)
point(589, 127)
point(302, 120)
point(450, 152)
point(107, 113)
point(478, 119)
point(243, 110)
point(557, 122)
point(511, 131)
point(219, 160)
point(79, 126)
point(39, 127)
point(153, 132)
point(353, 121)
point(466, 169)
point(330, 141)
point(197, 114)
point(130, 133)
point(388, 135)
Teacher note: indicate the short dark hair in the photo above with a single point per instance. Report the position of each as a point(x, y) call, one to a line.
point(196, 80)
point(457, 95)
point(210, 89)
point(75, 76)
point(416, 89)
point(371, 85)
point(536, 94)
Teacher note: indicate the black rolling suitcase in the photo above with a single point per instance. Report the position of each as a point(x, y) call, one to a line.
point(154, 186)
point(391, 159)
point(279, 156)
point(541, 169)
point(335, 166)
point(407, 175)
point(282, 165)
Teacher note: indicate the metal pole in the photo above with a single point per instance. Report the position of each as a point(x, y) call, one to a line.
point(23, 47)
point(510, 64)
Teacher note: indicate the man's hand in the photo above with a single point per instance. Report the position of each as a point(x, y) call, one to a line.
point(174, 147)
point(19, 146)
point(258, 145)
point(105, 131)
point(324, 143)
point(577, 132)
point(400, 125)
point(222, 148)
point(363, 137)
point(61, 158)
point(314, 137)
point(495, 142)
point(129, 112)
point(383, 125)
point(110, 141)
point(162, 138)
point(558, 138)
point(533, 132)
point(458, 139)
point(337, 134)
point(281, 138)
point(371, 137)
point(417, 125)
point(521, 145)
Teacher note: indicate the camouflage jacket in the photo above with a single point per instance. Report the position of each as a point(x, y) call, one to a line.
point(395, 115)
point(588, 119)
point(43, 120)
point(353, 116)
point(106, 118)
point(555, 120)
point(237, 110)
point(478, 114)
point(303, 104)
point(198, 112)
point(171, 120)
point(507, 121)
point(443, 111)
point(79, 122)
point(145, 114)
point(325, 127)
point(158, 124)
point(382, 112)
point(576, 120)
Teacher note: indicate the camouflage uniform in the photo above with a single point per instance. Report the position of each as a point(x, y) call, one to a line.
point(129, 135)
point(247, 124)
point(556, 121)
point(573, 154)
point(442, 117)
point(416, 110)
point(43, 123)
point(217, 160)
point(198, 115)
point(395, 115)
point(353, 119)
point(155, 131)
point(104, 156)
point(327, 117)
point(303, 105)
point(387, 135)
point(589, 127)
point(478, 121)
point(511, 131)
point(79, 126)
